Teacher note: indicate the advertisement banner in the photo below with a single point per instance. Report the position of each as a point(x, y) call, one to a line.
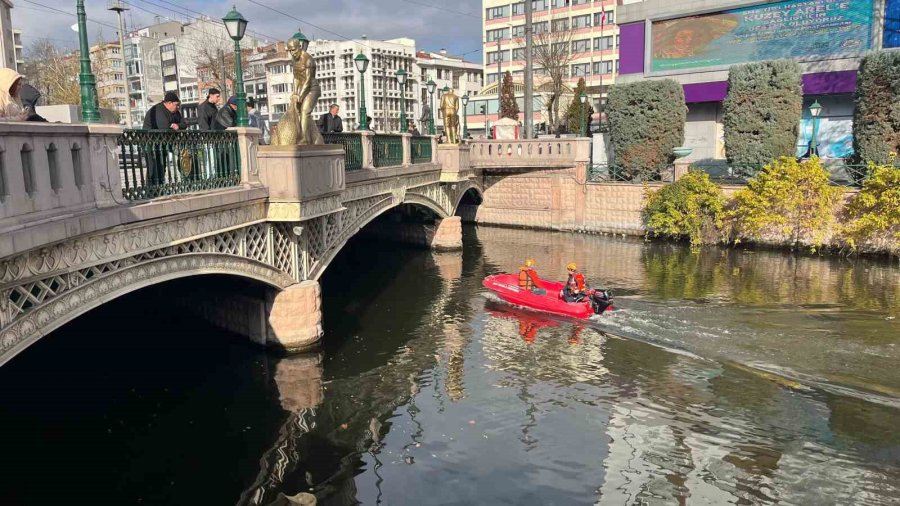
point(892, 24)
point(799, 29)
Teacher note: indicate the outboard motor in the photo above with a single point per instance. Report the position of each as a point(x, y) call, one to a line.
point(601, 300)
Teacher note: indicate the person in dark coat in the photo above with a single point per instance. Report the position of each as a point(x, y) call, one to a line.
point(330, 122)
point(226, 115)
point(162, 116)
point(206, 112)
point(29, 95)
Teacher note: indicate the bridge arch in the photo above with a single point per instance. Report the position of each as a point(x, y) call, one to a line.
point(55, 312)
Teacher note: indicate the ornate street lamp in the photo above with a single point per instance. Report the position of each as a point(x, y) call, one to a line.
point(430, 85)
point(90, 110)
point(583, 99)
point(465, 103)
point(362, 63)
point(815, 110)
point(236, 25)
point(401, 80)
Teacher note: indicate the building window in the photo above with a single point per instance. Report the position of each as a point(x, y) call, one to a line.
point(494, 56)
point(603, 43)
point(495, 35)
point(518, 54)
point(580, 2)
point(561, 48)
point(610, 18)
point(282, 88)
point(498, 12)
point(538, 5)
point(518, 31)
point(603, 67)
point(540, 27)
point(579, 22)
point(518, 9)
point(560, 3)
point(581, 69)
point(560, 25)
point(581, 46)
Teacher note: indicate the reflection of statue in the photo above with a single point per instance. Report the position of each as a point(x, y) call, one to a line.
point(450, 110)
point(297, 125)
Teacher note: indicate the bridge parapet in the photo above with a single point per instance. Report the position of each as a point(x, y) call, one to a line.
point(537, 153)
point(48, 170)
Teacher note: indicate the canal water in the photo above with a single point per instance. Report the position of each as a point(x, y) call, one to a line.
point(723, 377)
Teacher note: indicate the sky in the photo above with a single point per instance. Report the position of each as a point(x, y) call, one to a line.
point(433, 24)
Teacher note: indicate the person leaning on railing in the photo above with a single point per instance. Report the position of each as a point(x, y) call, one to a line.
point(10, 103)
point(162, 116)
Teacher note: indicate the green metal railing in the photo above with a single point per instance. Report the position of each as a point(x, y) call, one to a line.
point(156, 163)
point(612, 173)
point(353, 152)
point(387, 150)
point(841, 174)
point(420, 149)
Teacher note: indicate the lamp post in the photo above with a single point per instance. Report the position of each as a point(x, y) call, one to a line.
point(236, 25)
point(430, 85)
point(815, 110)
point(362, 63)
point(583, 99)
point(401, 80)
point(90, 110)
point(465, 103)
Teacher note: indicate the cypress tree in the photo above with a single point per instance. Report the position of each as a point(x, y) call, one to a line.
point(876, 121)
point(574, 116)
point(762, 112)
point(646, 122)
point(508, 106)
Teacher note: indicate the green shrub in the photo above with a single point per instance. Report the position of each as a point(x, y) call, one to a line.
point(874, 214)
point(577, 113)
point(876, 121)
point(762, 112)
point(691, 208)
point(788, 202)
point(646, 121)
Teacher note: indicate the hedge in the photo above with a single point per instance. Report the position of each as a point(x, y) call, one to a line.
point(762, 112)
point(876, 122)
point(646, 122)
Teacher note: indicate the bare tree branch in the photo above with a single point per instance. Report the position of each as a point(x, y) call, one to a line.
point(52, 72)
point(552, 55)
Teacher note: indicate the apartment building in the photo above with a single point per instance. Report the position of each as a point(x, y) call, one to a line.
point(143, 70)
point(463, 77)
point(19, 49)
point(108, 66)
point(339, 81)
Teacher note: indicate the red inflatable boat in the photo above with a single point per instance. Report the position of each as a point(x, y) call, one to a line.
point(506, 286)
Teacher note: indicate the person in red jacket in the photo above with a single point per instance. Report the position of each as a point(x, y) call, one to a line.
point(574, 290)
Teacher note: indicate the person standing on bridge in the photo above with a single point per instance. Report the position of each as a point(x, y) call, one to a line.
point(10, 103)
point(330, 122)
point(162, 116)
point(206, 113)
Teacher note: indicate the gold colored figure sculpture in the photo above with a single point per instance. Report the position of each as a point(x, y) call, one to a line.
point(450, 110)
point(297, 125)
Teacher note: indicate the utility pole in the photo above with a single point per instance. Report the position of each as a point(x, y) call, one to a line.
point(499, 64)
point(222, 76)
point(529, 74)
point(118, 7)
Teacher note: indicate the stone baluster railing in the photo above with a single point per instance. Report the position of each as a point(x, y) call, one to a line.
point(529, 153)
point(52, 169)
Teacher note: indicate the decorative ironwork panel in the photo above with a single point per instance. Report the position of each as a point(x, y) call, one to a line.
point(387, 150)
point(155, 163)
point(421, 150)
point(257, 242)
point(352, 143)
point(285, 248)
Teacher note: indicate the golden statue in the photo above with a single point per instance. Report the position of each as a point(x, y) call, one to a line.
point(450, 111)
point(297, 125)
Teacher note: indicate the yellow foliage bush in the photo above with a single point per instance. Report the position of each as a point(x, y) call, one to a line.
point(788, 202)
point(874, 214)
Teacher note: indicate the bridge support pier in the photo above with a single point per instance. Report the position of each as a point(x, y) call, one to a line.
point(295, 317)
point(447, 234)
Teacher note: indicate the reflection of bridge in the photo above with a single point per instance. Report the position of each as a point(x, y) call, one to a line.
point(73, 239)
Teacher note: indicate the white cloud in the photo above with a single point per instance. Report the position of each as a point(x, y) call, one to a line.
point(432, 28)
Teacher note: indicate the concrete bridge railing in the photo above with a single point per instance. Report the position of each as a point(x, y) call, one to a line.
point(563, 152)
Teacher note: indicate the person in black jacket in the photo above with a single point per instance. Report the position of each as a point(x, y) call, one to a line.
point(206, 112)
point(226, 115)
point(29, 95)
point(162, 116)
point(330, 122)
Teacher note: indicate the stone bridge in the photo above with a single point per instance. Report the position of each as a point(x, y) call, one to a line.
point(71, 240)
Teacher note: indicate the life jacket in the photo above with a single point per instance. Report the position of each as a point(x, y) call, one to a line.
point(575, 282)
point(525, 281)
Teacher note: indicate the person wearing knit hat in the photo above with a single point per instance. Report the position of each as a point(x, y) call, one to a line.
point(162, 116)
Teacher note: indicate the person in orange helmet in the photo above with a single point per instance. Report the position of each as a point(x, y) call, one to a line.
point(574, 290)
point(528, 278)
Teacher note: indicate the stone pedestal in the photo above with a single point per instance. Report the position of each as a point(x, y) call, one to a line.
point(303, 181)
point(295, 317)
point(454, 162)
point(248, 144)
point(447, 234)
point(681, 168)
